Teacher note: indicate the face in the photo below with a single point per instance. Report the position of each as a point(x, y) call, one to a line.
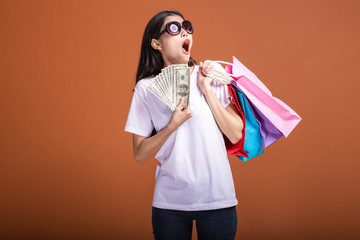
point(174, 49)
point(182, 90)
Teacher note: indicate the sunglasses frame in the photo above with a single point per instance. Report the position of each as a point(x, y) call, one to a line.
point(180, 25)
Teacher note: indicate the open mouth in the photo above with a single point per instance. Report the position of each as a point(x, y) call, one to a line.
point(186, 46)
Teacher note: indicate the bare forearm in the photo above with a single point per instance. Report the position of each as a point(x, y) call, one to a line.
point(150, 146)
point(228, 121)
point(145, 147)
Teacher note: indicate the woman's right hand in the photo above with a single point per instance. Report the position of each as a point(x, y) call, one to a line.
point(180, 115)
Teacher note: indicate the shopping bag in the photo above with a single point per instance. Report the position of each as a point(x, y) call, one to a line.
point(237, 148)
point(269, 133)
point(251, 131)
point(277, 112)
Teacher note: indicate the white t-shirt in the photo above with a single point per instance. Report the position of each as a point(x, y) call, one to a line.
point(193, 171)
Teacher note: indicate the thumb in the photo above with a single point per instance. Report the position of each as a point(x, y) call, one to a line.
point(181, 103)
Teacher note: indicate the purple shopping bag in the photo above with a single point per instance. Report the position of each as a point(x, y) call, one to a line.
point(269, 133)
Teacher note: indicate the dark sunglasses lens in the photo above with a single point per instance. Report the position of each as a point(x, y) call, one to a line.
point(173, 28)
point(188, 26)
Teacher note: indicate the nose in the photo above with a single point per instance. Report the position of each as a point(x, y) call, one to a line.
point(183, 33)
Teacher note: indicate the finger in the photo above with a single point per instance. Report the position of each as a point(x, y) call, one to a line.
point(189, 107)
point(209, 66)
point(188, 111)
point(181, 103)
point(200, 72)
point(205, 69)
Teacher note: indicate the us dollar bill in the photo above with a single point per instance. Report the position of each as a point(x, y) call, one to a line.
point(154, 88)
point(172, 83)
point(182, 88)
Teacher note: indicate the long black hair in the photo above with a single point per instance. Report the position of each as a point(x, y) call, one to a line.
point(151, 61)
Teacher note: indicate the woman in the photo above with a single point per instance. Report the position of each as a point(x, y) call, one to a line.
point(193, 177)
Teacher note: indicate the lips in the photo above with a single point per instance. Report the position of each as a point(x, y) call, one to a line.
point(186, 46)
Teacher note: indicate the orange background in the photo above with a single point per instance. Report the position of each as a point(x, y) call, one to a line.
point(67, 73)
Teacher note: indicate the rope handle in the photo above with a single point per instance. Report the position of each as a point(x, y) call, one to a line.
point(220, 76)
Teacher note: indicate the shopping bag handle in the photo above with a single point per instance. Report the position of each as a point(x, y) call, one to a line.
point(220, 76)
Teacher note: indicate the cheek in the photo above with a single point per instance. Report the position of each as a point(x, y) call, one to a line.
point(172, 47)
point(191, 42)
point(169, 45)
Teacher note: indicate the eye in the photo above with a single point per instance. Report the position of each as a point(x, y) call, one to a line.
point(174, 28)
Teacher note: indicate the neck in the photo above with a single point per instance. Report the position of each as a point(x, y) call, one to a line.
point(191, 68)
point(168, 63)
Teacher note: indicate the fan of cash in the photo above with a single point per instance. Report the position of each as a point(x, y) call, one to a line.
point(171, 84)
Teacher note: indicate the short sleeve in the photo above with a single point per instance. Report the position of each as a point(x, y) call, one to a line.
point(222, 93)
point(139, 119)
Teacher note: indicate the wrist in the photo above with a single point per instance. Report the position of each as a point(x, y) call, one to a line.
point(171, 127)
point(207, 90)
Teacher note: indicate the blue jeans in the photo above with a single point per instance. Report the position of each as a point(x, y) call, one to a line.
point(218, 224)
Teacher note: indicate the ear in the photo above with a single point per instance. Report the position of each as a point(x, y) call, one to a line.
point(156, 44)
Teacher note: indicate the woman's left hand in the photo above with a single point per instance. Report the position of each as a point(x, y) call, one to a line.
point(204, 82)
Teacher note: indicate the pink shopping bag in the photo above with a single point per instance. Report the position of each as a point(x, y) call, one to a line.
point(279, 114)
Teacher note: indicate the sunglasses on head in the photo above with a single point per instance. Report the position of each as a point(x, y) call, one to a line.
point(174, 28)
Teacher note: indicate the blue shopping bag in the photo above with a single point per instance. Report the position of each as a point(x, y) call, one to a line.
point(252, 137)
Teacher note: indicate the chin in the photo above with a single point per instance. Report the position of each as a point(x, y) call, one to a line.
point(186, 60)
point(182, 61)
